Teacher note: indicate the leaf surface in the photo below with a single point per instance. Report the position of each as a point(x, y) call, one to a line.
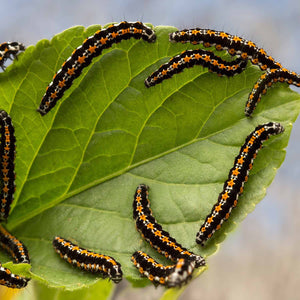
point(78, 166)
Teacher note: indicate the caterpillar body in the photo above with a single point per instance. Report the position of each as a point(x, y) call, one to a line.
point(190, 58)
point(88, 260)
point(237, 177)
point(83, 55)
point(170, 276)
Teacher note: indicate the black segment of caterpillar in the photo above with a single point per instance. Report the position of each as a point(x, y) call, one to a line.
point(20, 253)
point(171, 276)
point(7, 241)
point(153, 233)
point(87, 260)
point(237, 177)
point(265, 81)
point(8, 279)
point(14, 246)
point(190, 58)
point(83, 55)
point(8, 50)
point(233, 44)
point(7, 158)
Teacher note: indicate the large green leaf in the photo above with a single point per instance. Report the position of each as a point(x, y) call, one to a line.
point(78, 166)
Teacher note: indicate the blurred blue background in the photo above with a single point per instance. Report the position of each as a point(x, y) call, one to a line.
point(260, 260)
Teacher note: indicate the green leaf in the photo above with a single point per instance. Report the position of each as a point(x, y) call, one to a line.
point(100, 290)
point(78, 166)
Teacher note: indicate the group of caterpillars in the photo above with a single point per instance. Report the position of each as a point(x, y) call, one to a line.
point(184, 261)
